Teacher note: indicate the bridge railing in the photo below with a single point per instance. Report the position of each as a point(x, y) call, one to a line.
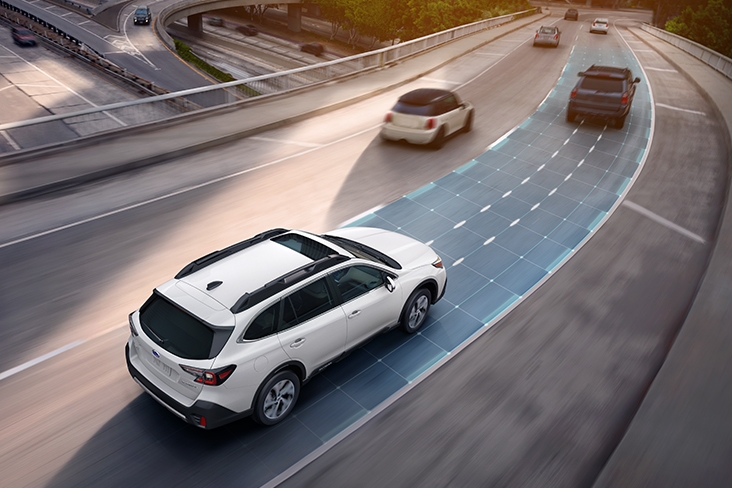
point(64, 127)
point(721, 63)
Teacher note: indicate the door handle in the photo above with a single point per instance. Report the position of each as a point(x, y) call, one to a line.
point(354, 314)
point(298, 343)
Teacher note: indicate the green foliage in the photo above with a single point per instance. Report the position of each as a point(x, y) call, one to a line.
point(386, 20)
point(185, 52)
point(709, 25)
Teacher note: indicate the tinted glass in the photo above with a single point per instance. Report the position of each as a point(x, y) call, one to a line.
point(546, 30)
point(264, 324)
point(406, 108)
point(306, 303)
point(178, 332)
point(308, 247)
point(606, 85)
point(356, 281)
point(141, 11)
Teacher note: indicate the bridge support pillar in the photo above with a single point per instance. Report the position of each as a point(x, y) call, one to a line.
point(294, 17)
point(195, 23)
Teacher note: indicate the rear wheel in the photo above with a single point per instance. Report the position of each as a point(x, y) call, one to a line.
point(277, 398)
point(570, 116)
point(468, 122)
point(415, 313)
point(439, 139)
point(620, 122)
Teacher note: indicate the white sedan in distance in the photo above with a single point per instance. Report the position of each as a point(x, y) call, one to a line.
point(599, 25)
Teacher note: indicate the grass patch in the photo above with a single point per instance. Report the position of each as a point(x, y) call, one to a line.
point(187, 55)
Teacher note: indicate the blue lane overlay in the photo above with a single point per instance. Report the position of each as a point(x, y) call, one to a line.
point(501, 224)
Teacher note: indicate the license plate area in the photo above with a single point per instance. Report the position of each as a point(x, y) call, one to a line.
point(164, 368)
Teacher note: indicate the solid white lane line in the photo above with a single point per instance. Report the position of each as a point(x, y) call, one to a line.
point(435, 80)
point(286, 141)
point(696, 112)
point(10, 140)
point(58, 82)
point(663, 70)
point(40, 359)
point(183, 190)
point(666, 223)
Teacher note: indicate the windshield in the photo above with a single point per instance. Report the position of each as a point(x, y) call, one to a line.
point(179, 332)
point(363, 251)
point(141, 11)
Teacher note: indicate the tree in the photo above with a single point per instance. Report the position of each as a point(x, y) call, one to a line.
point(710, 25)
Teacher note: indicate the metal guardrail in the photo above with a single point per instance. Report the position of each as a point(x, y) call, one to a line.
point(721, 63)
point(128, 114)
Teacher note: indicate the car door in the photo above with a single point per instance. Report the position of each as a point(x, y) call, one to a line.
point(313, 325)
point(368, 305)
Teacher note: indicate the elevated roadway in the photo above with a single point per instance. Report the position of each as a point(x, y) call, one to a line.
point(542, 398)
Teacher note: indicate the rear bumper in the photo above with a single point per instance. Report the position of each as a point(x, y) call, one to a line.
point(414, 136)
point(215, 415)
point(599, 112)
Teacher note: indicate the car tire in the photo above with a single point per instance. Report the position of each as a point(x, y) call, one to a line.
point(439, 139)
point(570, 116)
point(468, 123)
point(415, 313)
point(277, 398)
point(619, 122)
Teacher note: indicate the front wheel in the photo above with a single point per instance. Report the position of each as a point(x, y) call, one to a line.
point(277, 398)
point(415, 312)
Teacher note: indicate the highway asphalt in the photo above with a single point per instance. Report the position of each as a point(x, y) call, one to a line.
point(662, 406)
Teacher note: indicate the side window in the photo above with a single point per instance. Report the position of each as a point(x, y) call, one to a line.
point(449, 104)
point(356, 281)
point(306, 303)
point(264, 324)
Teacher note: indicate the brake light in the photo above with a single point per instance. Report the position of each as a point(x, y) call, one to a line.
point(388, 117)
point(556, 36)
point(214, 377)
point(573, 93)
point(133, 329)
point(536, 36)
point(438, 263)
point(431, 123)
point(624, 100)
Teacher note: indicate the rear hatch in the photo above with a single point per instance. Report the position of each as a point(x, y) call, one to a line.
point(170, 337)
point(603, 94)
point(411, 116)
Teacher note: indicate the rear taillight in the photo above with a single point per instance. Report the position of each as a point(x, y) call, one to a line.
point(213, 377)
point(388, 117)
point(574, 92)
point(536, 36)
point(133, 329)
point(431, 123)
point(556, 36)
point(624, 100)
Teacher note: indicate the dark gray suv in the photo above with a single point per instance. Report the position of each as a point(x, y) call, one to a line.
point(603, 92)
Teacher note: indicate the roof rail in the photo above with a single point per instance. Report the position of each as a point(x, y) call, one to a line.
point(285, 281)
point(211, 258)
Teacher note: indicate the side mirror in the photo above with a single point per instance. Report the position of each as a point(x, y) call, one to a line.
point(390, 285)
point(637, 80)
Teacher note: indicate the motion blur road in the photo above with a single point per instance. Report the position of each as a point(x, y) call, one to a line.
point(541, 399)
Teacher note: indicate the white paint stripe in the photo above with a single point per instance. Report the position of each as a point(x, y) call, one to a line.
point(435, 80)
point(666, 223)
point(10, 140)
point(486, 53)
point(286, 141)
point(644, 51)
point(536, 206)
point(6, 87)
point(459, 224)
point(39, 359)
point(485, 208)
point(458, 261)
point(489, 241)
point(69, 89)
point(552, 192)
point(56, 352)
point(514, 222)
point(186, 190)
point(664, 70)
point(506, 194)
point(696, 112)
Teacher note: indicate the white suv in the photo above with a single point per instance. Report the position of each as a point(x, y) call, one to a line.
point(237, 332)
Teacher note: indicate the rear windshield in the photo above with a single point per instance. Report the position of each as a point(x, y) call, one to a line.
point(546, 30)
point(606, 85)
point(406, 108)
point(179, 332)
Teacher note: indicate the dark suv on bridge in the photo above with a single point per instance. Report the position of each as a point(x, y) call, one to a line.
point(603, 92)
point(143, 16)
